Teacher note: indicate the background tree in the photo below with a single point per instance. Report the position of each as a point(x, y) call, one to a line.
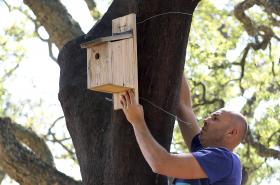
point(236, 59)
point(232, 55)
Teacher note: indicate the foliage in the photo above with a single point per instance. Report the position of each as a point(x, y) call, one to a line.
point(213, 67)
point(15, 33)
point(11, 54)
point(215, 49)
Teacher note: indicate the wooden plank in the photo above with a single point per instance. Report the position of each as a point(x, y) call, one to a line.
point(127, 69)
point(110, 88)
point(99, 65)
point(120, 36)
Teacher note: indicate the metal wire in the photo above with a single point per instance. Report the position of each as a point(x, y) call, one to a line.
point(182, 13)
point(165, 111)
point(159, 108)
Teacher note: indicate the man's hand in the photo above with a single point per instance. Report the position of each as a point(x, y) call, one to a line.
point(133, 111)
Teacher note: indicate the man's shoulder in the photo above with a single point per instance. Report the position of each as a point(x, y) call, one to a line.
point(220, 150)
point(221, 153)
point(219, 163)
point(218, 153)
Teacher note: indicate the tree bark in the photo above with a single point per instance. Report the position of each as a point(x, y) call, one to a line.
point(34, 142)
point(23, 165)
point(55, 18)
point(31, 140)
point(104, 141)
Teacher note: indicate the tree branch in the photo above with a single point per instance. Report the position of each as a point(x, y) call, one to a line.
point(9, 73)
point(50, 46)
point(55, 18)
point(206, 101)
point(37, 25)
point(53, 138)
point(239, 13)
point(277, 38)
point(266, 33)
point(223, 33)
point(261, 150)
point(271, 6)
point(22, 165)
point(249, 25)
point(7, 5)
point(92, 9)
point(245, 175)
point(272, 135)
point(34, 142)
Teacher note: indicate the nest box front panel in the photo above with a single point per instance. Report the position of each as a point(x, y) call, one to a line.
point(123, 63)
point(99, 67)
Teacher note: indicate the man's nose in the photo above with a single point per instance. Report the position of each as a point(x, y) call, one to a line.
point(205, 122)
point(207, 118)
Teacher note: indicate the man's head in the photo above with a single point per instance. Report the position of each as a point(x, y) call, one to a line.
point(223, 128)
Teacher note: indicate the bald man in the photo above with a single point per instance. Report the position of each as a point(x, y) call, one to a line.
point(211, 160)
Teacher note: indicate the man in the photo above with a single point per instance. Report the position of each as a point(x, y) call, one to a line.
point(211, 160)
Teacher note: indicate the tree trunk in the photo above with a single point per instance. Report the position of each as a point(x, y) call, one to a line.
point(104, 141)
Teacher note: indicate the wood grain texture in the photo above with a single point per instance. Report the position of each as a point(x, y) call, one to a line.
point(99, 64)
point(110, 88)
point(126, 62)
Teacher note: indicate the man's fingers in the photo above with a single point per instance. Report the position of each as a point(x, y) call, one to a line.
point(123, 101)
point(132, 91)
point(127, 98)
point(132, 96)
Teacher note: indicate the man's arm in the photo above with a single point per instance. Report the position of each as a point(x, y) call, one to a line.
point(185, 113)
point(162, 162)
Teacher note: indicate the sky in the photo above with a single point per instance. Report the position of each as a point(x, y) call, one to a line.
point(38, 76)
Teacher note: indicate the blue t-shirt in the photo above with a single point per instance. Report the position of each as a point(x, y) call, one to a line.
point(220, 165)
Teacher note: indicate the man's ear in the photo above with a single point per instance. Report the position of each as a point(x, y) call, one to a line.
point(232, 132)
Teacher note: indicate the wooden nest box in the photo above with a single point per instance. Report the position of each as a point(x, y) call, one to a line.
point(112, 60)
